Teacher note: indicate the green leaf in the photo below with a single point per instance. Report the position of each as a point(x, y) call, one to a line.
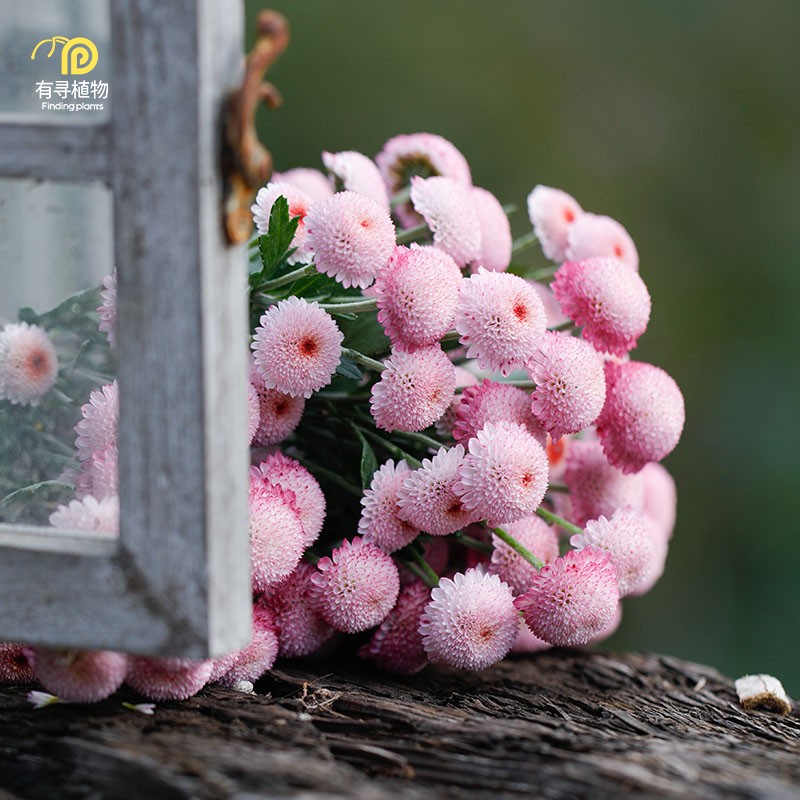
point(275, 246)
point(29, 491)
point(347, 368)
point(369, 464)
point(365, 334)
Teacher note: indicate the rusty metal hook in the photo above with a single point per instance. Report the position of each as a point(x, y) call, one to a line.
point(246, 163)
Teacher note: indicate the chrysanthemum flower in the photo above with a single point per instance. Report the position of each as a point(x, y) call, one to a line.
point(417, 294)
point(557, 450)
point(297, 347)
point(397, 644)
point(609, 629)
point(643, 416)
point(626, 538)
point(356, 587)
point(446, 423)
point(595, 236)
point(501, 319)
point(380, 522)
point(299, 204)
point(99, 474)
point(351, 237)
point(503, 478)
point(496, 242)
point(77, 676)
point(288, 474)
point(14, 664)
point(253, 412)
point(415, 389)
point(552, 310)
point(470, 622)
point(595, 487)
point(494, 402)
point(527, 641)
point(427, 499)
point(311, 181)
point(448, 210)
point(278, 413)
point(108, 309)
point(257, 657)
point(552, 213)
point(573, 599)
point(168, 678)
point(28, 364)
point(276, 534)
point(422, 154)
point(609, 299)
point(570, 384)
point(88, 514)
point(534, 534)
point(301, 628)
point(357, 173)
point(660, 499)
point(98, 428)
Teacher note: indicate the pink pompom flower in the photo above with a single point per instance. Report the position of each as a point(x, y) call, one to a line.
point(396, 646)
point(77, 676)
point(660, 499)
point(417, 294)
point(100, 418)
point(595, 487)
point(503, 478)
point(288, 474)
point(276, 533)
point(427, 499)
point(297, 347)
point(351, 237)
point(596, 236)
point(357, 173)
point(445, 424)
point(570, 384)
point(257, 657)
point(356, 587)
point(573, 599)
point(278, 413)
point(448, 209)
point(88, 514)
point(643, 416)
point(299, 204)
point(501, 319)
point(14, 664)
point(301, 628)
point(108, 309)
point(470, 622)
point(312, 182)
point(528, 642)
point(415, 389)
point(607, 298)
point(552, 213)
point(496, 242)
point(494, 402)
point(380, 522)
point(168, 678)
point(626, 538)
point(28, 364)
point(253, 412)
point(534, 534)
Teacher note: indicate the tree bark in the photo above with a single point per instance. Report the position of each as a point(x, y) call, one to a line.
point(556, 725)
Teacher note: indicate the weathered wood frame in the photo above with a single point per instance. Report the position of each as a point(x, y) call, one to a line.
point(177, 579)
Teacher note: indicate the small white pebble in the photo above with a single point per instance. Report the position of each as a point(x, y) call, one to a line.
point(244, 686)
point(41, 699)
point(700, 685)
point(763, 693)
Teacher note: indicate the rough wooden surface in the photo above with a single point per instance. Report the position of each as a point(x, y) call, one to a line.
point(558, 725)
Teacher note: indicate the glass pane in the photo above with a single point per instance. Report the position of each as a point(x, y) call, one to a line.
point(55, 250)
point(72, 83)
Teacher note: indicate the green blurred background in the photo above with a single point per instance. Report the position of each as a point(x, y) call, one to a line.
point(681, 120)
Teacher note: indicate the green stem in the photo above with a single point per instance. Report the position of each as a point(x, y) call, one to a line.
point(520, 384)
point(450, 336)
point(353, 307)
point(365, 361)
point(551, 519)
point(412, 234)
point(541, 274)
point(558, 487)
point(290, 277)
point(430, 577)
point(396, 451)
point(421, 438)
point(510, 208)
point(335, 477)
point(472, 543)
point(564, 326)
point(403, 196)
point(515, 545)
point(523, 243)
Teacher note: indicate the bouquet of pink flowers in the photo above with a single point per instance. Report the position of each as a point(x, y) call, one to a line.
point(454, 456)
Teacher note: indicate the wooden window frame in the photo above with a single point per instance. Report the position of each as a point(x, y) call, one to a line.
point(177, 580)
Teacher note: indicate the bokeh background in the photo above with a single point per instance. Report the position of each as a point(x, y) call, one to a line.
point(682, 120)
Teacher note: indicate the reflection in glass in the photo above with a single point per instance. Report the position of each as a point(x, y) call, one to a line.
point(57, 396)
